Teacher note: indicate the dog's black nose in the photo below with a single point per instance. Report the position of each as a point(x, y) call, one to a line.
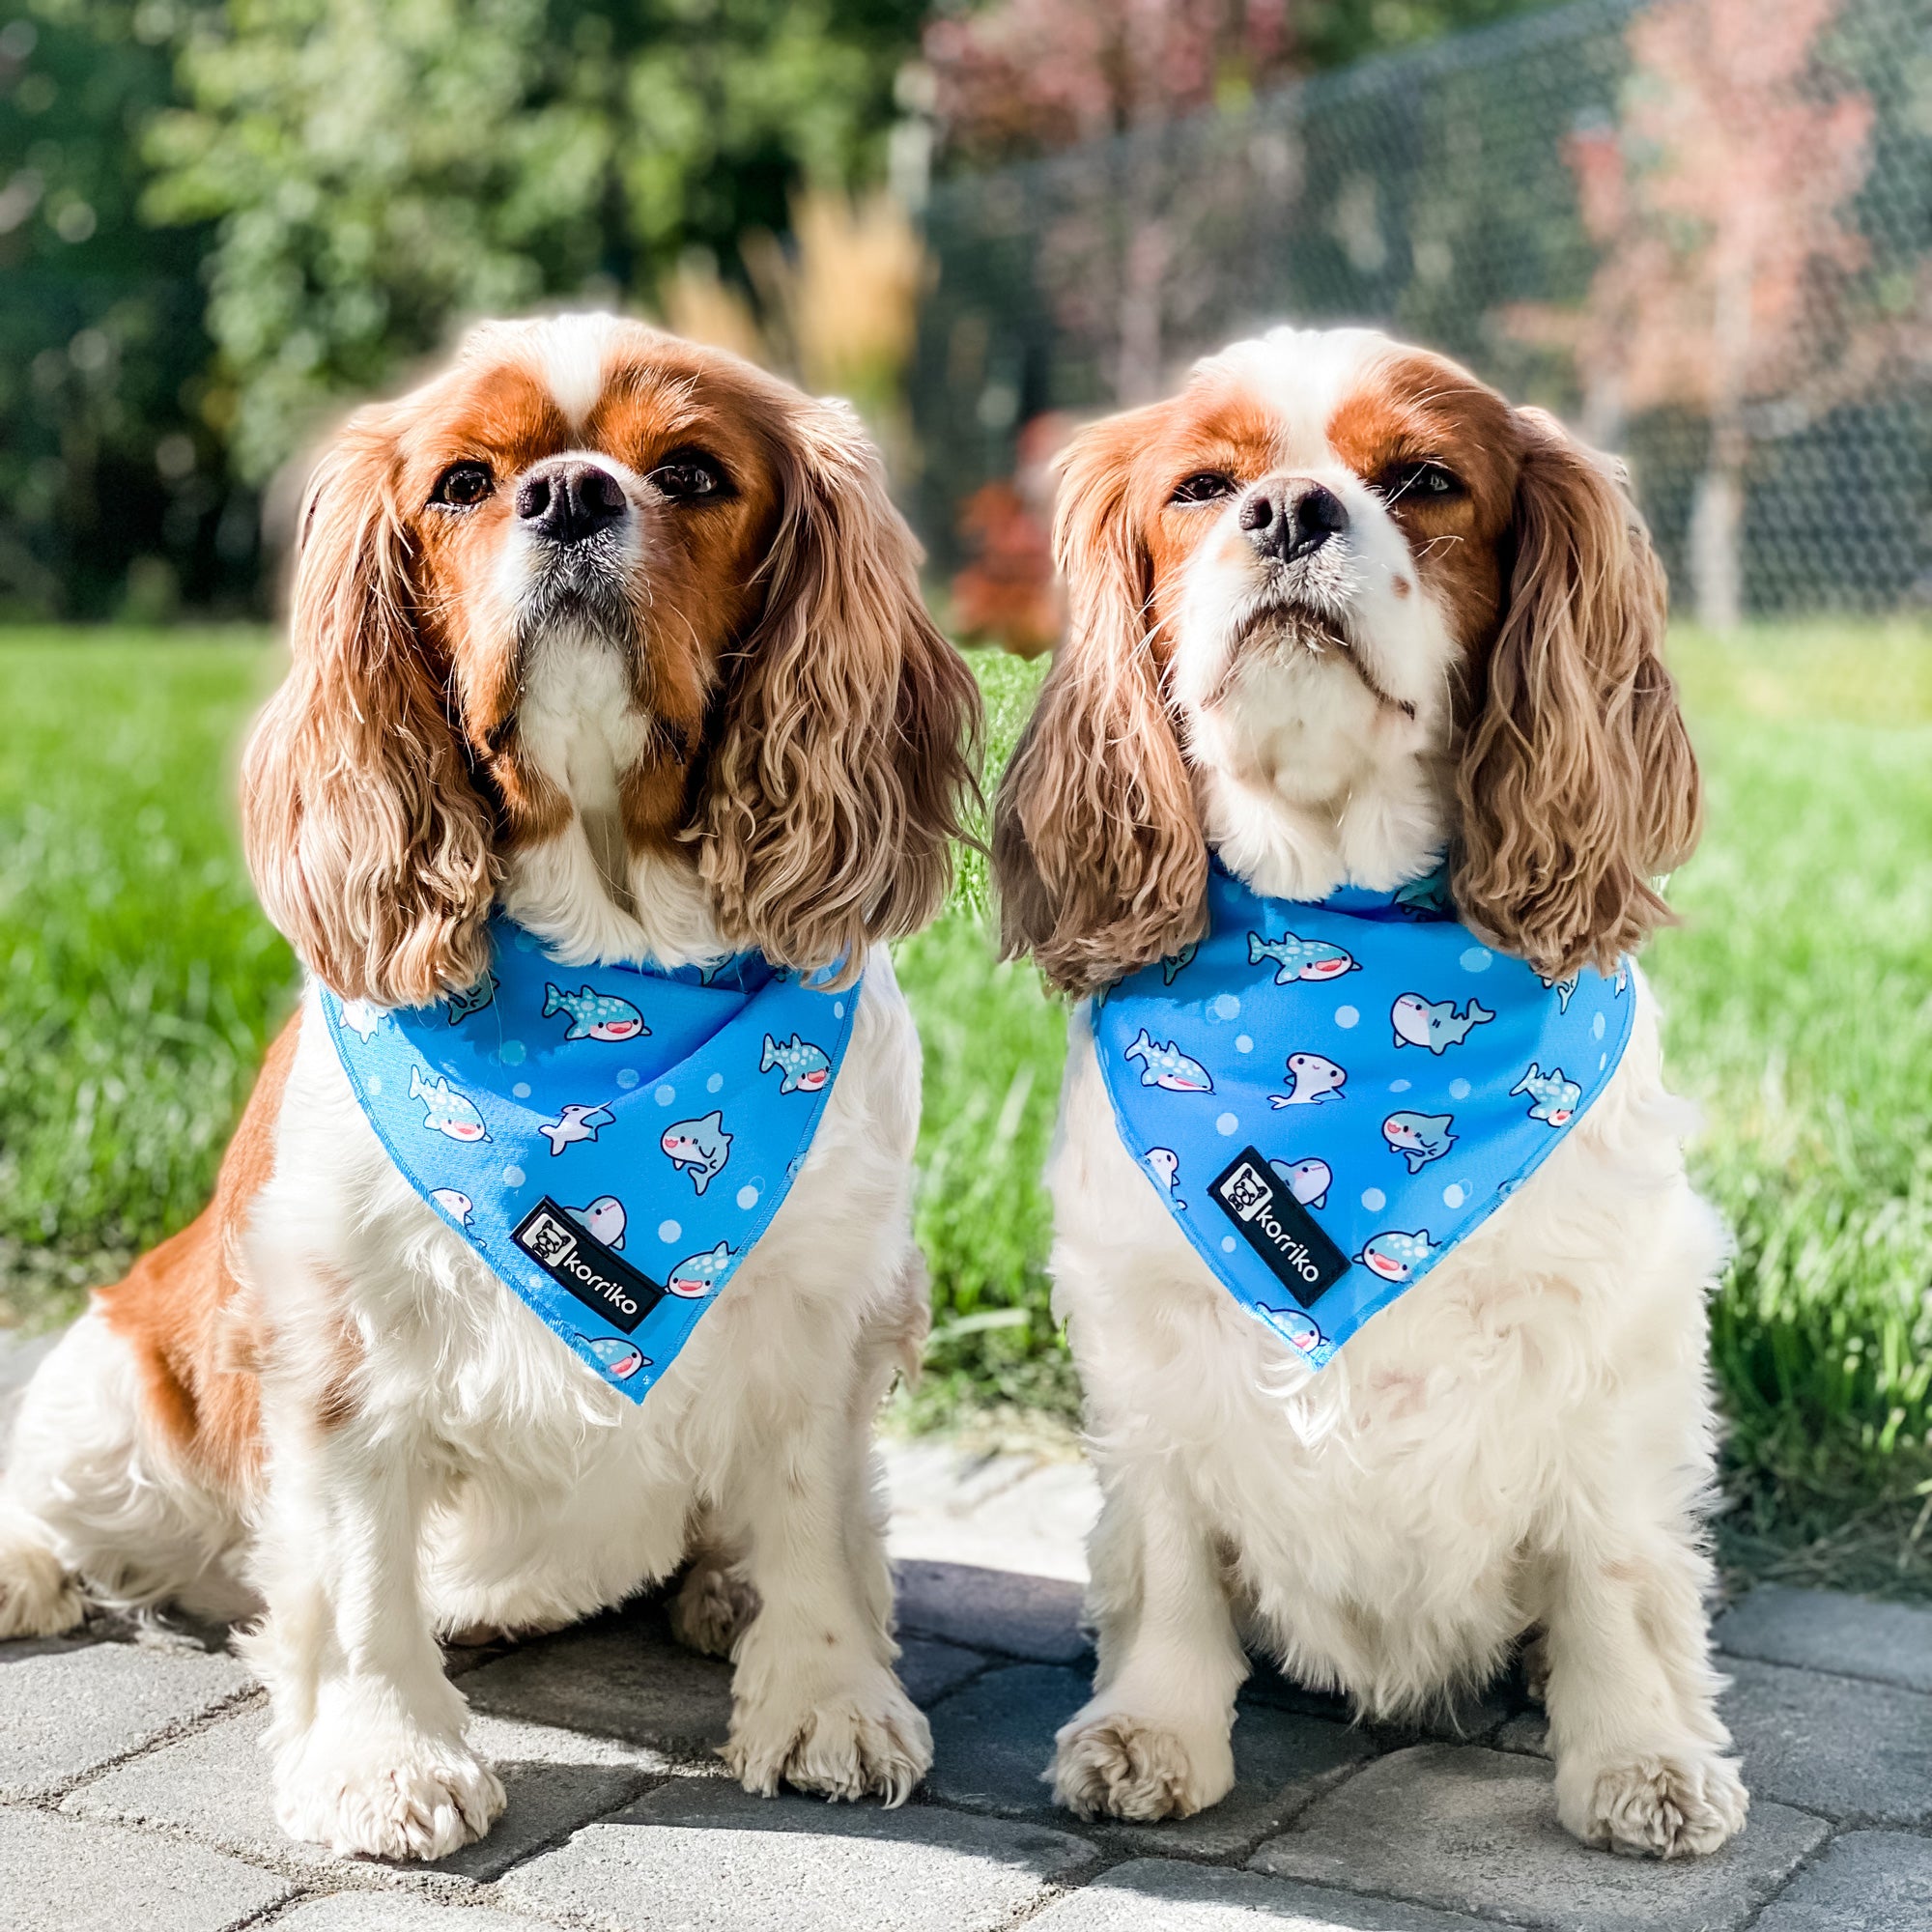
point(1288, 517)
point(567, 500)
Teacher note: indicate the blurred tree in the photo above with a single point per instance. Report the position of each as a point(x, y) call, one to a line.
point(112, 493)
point(377, 170)
point(1721, 207)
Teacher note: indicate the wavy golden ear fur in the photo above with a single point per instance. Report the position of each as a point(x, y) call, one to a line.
point(369, 846)
point(1097, 843)
point(847, 759)
point(1577, 782)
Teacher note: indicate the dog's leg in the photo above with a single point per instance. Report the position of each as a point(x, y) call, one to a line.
point(1640, 1751)
point(367, 1731)
point(815, 1702)
point(1153, 1742)
point(715, 1603)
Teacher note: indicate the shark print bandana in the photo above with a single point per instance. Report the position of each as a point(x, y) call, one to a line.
point(612, 1140)
point(1331, 1097)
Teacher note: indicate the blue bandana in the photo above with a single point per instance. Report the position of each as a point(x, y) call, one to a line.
point(610, 1139)
point(1331, 1097)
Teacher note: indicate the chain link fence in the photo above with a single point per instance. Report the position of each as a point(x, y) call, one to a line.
point(1699, 230)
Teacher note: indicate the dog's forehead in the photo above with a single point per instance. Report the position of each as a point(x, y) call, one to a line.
point(1301, 379)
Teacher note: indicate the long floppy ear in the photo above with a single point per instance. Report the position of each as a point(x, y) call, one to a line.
point(1577, 782)
point(369, 846)
point(848, 750)
point(1097, 843)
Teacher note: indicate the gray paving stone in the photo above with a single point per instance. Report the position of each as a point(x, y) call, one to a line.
point(1867, 1881)
point(215, 1785)
point(65, 1711)
point(1856, 1752)
point(1152, 1893)
point(1475, 1831)
point(701, 1855)
point(1469, 1718)
point(992, 1741)
point(396, 1911)
point(929, 1668)
point(1037, 1617)
point(619, 1677)
point(1820, 1629)
point(93, 1878)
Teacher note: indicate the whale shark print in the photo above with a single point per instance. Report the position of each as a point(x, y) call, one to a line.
point(620, 1360)
point(1308, 1180)
point(699, 1148)
point(806, 1067)
point(1164, 1065)
point(462, 1005)
point(1434, 1023)
point(1564, 988)
point(595, 1015)
point(575, 1123)
point(1396, 1256)
point(1312, 1079)
point(454, 1203)
point(1176, 964)
point(1300, 958)
point(1554, 1098)
point(1165, 1165)
point(1294, 1325)
point(603, 1220)
point(446, 1110)
point(361, 1018)
point(698, 1274)
point(1419, 1138)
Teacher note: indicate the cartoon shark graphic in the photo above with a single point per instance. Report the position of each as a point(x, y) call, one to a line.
point(807, 1068)
point(603, 1220)
point(1563, 988)
point(621, 1359)
point(361, 1017)
point(700, 1275)
point(1554, 1098)
point(1164, 1065)
point(1419, 1138)
point(1427, 897)
point(446, 1110)
point(1621, 984)
point(454, 1203)
point(1308, 1180)
point(574, 1123)
point(1310, 1079)
point(483, 994)
point(1396, 1256)
point(1295, 1325)
point(1177, 963)
point(595, 1015)
point(1434, 1023)
point(699, 1148)
point(1165, 1164)
point(1301, 958)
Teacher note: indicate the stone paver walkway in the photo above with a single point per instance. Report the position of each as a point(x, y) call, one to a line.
point(133, 1797)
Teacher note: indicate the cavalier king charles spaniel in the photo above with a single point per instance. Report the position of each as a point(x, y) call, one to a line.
point(623, 636)
point(1338, 611)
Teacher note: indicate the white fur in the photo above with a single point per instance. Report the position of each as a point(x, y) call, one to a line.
point(479, 1474)
point(1523, 1438)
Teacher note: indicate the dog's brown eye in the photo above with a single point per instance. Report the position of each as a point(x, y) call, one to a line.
point(462, 486)
point(1422, 482)
point(690, 475)
point(1205, 486)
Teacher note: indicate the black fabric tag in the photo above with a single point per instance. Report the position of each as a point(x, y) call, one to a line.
point(575, 1259)
point(1278, 1227)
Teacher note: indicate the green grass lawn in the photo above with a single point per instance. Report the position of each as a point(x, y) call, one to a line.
point(138, 984)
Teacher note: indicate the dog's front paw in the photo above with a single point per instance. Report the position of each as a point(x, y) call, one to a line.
point(1665, 1806)
point(1112, 1764)
point(402, 1796)
point(38, 1597)
point(867, 1741)
point(713, 1609)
